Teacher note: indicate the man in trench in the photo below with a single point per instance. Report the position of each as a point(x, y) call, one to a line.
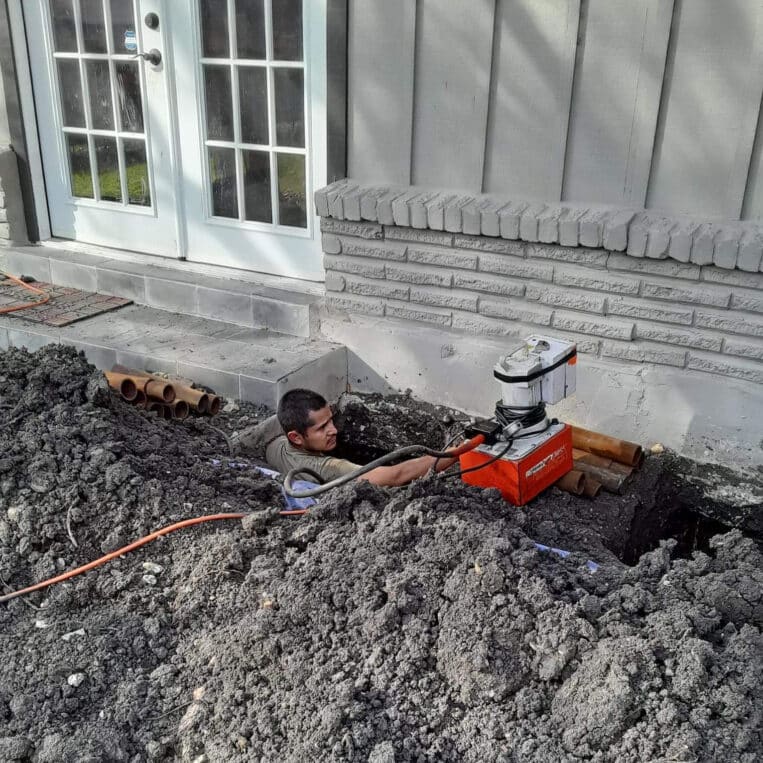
point(302, 435)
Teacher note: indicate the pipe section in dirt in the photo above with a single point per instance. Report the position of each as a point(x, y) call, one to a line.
point(199, 401)
point(179, 409)
point(604, 463)
point(124, 384)
point(573, 482)
point(610, 481)
point(622, 451)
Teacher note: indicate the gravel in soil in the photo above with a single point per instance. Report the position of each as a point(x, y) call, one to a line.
point(412, 624)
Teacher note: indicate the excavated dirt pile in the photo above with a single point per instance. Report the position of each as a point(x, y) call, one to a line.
point(414, 624)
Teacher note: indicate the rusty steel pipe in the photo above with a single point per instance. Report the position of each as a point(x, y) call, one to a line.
point(140, 399)
point(591, 487)
point(155, 407)
point(124, 384)
point(215, 403)
point(195, 398)
point(604, 463)
point(622, 451)
point(167, 412)
point(572, 482)
point(610, 481)
point(180, 409)
point(159, 390)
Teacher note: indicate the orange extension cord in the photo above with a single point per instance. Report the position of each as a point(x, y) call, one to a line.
point(469, 445)
point(131, 547)
point(19, 282)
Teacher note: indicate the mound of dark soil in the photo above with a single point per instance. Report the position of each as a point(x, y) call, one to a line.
point(413, 624)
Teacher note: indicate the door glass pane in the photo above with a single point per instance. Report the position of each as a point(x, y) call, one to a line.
point(214, 28)
point(219, 106)
point(222, 172)
point(108, 168)
point(128, 96)
point(253, 100)
point(93, 27)
point(99, 86)
point(123, 34)
point(250, 29)
point(79, 166)
point(287, 30)
point(257, 203)
point(71, 93)
point(292, 206)
point(136, 167)
point(289, 99)
point(64, 31)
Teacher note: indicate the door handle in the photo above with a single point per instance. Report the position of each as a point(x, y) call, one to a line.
point(154, 57)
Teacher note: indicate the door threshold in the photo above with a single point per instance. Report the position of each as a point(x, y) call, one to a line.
point(173, 263)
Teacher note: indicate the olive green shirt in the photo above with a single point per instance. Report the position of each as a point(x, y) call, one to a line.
point(267, 441)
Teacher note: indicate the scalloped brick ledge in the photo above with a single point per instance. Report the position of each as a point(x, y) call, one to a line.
point(638, 233)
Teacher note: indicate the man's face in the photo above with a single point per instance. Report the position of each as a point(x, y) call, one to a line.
point(320, 436)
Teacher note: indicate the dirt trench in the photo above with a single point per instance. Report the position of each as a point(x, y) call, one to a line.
point(416, 624)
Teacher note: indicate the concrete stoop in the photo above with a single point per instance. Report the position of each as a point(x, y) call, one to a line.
point(246, 363)
point(247, 336)
point(282, 305)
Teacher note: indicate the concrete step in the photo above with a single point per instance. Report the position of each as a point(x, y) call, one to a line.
point(245, 363)
point(178, 287)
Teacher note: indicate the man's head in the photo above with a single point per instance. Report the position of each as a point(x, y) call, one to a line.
point(307, 420)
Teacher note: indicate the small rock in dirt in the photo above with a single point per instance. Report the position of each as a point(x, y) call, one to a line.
point(71, 634)
point(42, 483)
point(75, 679)
point(230, 407)
point(41, 624)
point(657, 448)
point(149, 579)
point(152, 567)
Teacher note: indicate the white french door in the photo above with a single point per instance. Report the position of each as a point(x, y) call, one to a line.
point(103, 121)
point(210, 153)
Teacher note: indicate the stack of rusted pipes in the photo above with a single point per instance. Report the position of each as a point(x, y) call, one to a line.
point(600, 462)
point(169, 399)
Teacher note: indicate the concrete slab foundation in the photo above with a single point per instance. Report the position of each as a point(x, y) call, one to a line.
point(246, 363)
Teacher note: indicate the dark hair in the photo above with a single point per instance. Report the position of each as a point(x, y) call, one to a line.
point(295, 407)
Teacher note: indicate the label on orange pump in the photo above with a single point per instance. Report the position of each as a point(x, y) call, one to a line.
point(522, 476)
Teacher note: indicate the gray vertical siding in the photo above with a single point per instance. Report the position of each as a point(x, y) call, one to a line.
point(451, 94)
point(618, 81)
point(650, 103)
point(381, 47)
point(530, 98)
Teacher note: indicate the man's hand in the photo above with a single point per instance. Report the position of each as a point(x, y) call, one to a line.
point(402, 474)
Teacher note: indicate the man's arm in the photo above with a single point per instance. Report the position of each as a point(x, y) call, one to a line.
point(402, 474)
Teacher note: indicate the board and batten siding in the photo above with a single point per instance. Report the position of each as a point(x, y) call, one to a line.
point(640, 103)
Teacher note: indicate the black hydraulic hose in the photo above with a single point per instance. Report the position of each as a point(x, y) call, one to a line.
point(492, 460)
point(408, 450)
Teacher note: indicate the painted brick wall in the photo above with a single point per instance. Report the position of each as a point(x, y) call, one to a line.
point(620, 287)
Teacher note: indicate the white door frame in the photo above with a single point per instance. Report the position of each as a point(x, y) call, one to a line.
point(277, 243)
point(29, 116)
